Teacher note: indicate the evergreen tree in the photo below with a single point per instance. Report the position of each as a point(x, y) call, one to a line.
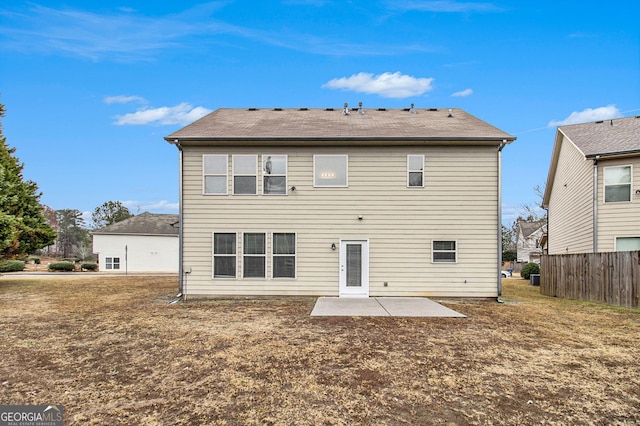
point(108, 213)
point(23, 228)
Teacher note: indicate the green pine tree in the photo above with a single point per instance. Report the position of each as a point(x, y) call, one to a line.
point(23, 227)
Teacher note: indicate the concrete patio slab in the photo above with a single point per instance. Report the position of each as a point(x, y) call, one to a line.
point(381, 307)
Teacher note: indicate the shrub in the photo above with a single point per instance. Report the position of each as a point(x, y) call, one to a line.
point(61, 266)
point(11, 265)
point(71, 259)
point(528, 269)
point(36, 260)
point(89, 266)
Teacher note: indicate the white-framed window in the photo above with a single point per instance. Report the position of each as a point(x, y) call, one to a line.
point(214, 174)
point(415, 171)
point(254, 245)
point(112, 263)
point(224, 254)
point(617, 184)
point(245, 174)
point(627, 243)
point(330, 171)
point(274, 174)
point(443, 251)
point(283, 255)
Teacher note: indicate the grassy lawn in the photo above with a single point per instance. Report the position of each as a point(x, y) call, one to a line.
point(113, 351)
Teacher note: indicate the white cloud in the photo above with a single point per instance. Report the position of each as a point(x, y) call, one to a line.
point(588, 115)
point(121, 99)
point(387, 85)
point(464, 93)
point(182, 114)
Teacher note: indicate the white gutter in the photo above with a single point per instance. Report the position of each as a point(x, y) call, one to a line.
point(595, 203)
point(500, 148)
point(181, 222)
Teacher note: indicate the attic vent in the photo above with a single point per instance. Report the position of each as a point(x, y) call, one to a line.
point(433, 109)
point(329, 109)
point(304, 109)
point(252, 109)
point(412, 110)
point(277, 109)
point(381, 109)
point(345, 110)
point(360, 109)
point(600, 122)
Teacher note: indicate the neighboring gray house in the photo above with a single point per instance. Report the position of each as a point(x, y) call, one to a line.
point(369, 202)
point(147, 242)
point(528, 241)
point(593, 187)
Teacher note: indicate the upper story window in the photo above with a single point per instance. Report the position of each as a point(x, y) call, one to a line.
point(245, 174)
point(274, 172)
point(617, 184)
point(214, 172)
point(444, 251)
point(330, 171)
point(415, 170)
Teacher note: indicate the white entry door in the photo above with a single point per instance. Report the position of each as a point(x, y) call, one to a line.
point(354, 268)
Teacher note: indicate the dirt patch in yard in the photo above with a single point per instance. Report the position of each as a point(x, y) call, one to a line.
point(113, 351)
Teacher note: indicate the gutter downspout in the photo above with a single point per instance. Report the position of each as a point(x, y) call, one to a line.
point(181, 223)
point(595, 203)
point(500, 148)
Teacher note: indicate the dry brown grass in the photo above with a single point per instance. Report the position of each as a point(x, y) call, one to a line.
point(112, 351)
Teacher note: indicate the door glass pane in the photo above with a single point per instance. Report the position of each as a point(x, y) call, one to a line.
point(354, 265)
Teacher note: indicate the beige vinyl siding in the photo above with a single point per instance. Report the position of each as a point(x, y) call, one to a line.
point(458, 202)
point(571, 203)
point(618, 219)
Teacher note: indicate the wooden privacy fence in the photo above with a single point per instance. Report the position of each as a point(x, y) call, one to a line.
point(612, 277)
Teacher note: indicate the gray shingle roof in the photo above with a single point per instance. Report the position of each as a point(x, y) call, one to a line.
point(321, 124)
point(609, 137)
point(144, 224)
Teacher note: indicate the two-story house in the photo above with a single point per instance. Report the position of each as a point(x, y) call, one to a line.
point(529, 240)
point(593, 187)
point(367, 202)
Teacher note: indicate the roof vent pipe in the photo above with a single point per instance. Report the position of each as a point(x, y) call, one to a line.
point(450, 115)
point(345, 110)
point(412, 110)
point(360, 109)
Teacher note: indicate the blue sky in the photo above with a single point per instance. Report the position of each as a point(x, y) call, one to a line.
point(91, 88)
